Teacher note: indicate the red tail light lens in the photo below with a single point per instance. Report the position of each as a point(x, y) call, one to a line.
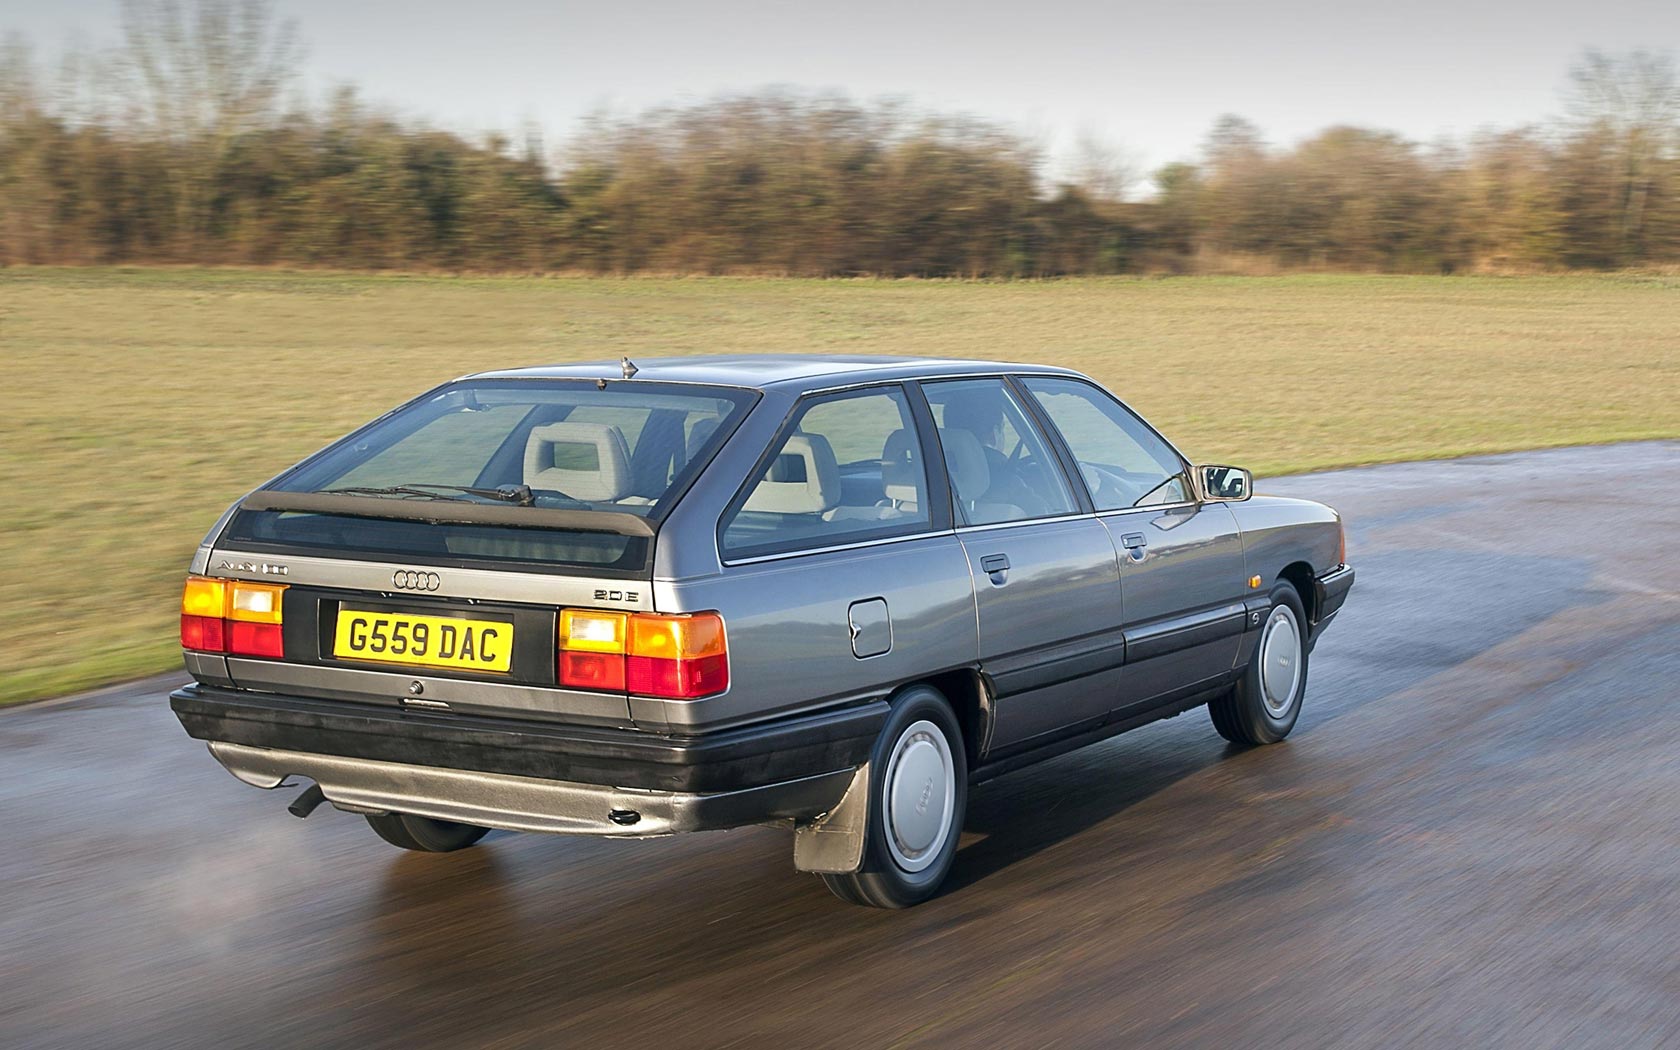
point(603, 672)
point(232, 616)
point(678, 679)
point(670, 657)
point(255, 639)
point(203, 633)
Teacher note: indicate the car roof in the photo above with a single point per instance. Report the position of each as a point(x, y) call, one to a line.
point(766, 370)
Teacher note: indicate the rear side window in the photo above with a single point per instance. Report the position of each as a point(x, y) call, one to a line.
point(999, 467)
point(846, 469)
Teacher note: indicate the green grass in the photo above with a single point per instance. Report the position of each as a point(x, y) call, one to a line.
point(141, 402)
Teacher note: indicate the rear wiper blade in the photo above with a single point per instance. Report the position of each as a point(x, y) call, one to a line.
point(520, 494)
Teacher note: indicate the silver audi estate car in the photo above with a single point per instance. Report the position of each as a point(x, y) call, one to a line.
point(824, 593)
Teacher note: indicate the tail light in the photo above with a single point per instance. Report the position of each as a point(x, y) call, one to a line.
point(592, 650)
point(232, 616)
point(671, 657)
point(1341, 542)
point(681, 657)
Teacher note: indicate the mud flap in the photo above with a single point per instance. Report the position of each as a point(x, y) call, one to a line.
point(833, 844)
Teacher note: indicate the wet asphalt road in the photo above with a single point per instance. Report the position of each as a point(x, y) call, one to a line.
point(1471, 839)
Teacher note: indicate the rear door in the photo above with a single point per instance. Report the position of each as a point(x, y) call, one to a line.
point(841, 577)
point(1046, 585)
point(1181, 562)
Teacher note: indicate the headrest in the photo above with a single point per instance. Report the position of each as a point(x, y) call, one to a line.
point(804, 478)
point(699, 434)
point(901, 469)
point(965, 458)
point(976, 411)
point(588, 461)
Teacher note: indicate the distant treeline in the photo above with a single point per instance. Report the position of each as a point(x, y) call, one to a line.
point(181, 148)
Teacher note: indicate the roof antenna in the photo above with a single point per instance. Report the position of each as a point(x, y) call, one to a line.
point(629, 368)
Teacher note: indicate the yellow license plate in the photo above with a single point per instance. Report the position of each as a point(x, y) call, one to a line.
point(423, 641)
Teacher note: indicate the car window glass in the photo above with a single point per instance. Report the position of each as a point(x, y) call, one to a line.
point(1123, 462)
point(627, 449)
point(450, 449)
point(571, 442)
point(628, 419)
point(999, 466)
point(847, 469)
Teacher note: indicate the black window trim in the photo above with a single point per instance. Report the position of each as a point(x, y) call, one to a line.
point(938, 494)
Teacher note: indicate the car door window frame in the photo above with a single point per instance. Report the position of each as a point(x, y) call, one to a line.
point(1071, 462)
point(1058, 456)
point(937, 494)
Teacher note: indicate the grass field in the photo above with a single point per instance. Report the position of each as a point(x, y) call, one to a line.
point(142, 402)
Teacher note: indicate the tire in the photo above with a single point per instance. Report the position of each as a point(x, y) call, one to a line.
point(1266, 701)
point(424, 834)
point(918, 795)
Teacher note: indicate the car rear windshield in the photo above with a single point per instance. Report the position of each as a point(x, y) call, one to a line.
point(522, 445)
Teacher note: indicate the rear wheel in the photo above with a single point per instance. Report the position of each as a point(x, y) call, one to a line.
point(918, 795)
point(1263, 707)
point(424, 834)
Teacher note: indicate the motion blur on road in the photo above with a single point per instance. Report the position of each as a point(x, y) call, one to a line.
point(1470, 840)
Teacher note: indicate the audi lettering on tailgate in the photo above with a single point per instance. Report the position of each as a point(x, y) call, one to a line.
point(424, 641)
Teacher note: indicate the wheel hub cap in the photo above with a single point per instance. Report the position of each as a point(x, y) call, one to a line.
point(919, 796)
point(1280, 661)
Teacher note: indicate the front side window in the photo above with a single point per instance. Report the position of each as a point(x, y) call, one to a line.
point(848, 468)
point(999, 467)
point(1123, 462)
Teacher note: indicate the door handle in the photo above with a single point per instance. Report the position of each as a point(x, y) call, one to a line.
point(997, 567)
point(1136, 545)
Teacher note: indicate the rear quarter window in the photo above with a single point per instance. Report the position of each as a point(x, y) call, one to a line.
point(847, 468)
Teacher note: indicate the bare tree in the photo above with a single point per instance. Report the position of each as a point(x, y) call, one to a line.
point(1631, 101)
point(17, 78)
point(202, 76)
point(1103, 170)
point(218, 68)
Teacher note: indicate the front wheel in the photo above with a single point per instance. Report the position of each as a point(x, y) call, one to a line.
point(918, 795)
point(424, 834)
point(1263, 707)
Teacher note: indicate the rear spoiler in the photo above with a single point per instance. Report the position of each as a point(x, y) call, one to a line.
point(448, 512)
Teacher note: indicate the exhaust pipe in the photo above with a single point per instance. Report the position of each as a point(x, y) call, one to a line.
point(305, 803)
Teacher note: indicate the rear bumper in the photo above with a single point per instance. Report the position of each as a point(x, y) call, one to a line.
point(495, 800)
point(532, 776)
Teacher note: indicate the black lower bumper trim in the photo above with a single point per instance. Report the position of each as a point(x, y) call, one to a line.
point(1332, 590)
point(730, 760)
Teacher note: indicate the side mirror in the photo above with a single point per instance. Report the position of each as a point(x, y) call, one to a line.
point(1224, 484)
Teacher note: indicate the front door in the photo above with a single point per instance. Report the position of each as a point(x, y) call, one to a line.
point(1181, 570)
point(1046, 583)
point(1181, 564)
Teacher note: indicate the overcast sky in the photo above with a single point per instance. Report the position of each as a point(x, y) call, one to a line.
point(1150, 76)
